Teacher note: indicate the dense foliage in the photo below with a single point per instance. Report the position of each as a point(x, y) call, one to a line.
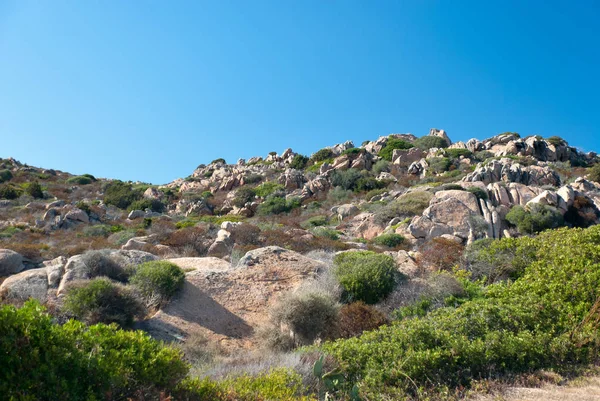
point(387, 151)
point(366, 276)
point(535, 219)
point(158, 280)
point(121, 194)
point(547, 317)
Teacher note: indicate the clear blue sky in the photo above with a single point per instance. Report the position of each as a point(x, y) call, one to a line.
point(147, 90)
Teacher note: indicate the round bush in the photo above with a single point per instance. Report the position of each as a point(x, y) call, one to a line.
point(366, 276)
point(357, 317)
point(34, 189)
point(158, 280)
point(102, 301)
point(391, 240)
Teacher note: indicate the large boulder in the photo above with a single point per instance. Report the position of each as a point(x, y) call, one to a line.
point(28, 284)
point(204, 264)
point(77, 215)
point(441, 134)
point(11, 262)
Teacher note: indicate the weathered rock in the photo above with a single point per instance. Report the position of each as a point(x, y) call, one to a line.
point(219, 249)
point(28, 284)
point(206, 264)
point(77, 215)
point(508, 171)
point(153, 193)
point(441, 134)
point(344, 211)
point(418, 168)
point(292, 179)
point(136, 214)
point(406, 264)
point(405, 157)
point(11, 262)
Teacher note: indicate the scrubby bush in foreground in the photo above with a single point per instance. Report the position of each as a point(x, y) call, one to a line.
point(535, 219)
point(366, 276)
point(158, 281)
point(391, 240)
point(547, 318)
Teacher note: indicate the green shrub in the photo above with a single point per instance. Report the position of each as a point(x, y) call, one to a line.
point(80, 180)
point(158, 281)
point(356, 318)
point(392, 144)
point(308, 314)
point(43, 360)
point(428, 142)
point(299, 162)
point(120, 194)
point(381, 166)
point(100, 230)
point(34, 189)
point(352, 151)
point(315, 221)
point(102, 301)
point(457, 153)
point(366, 276)
point(325, 232)
point(438, 165)
point(322, 155)
point(556, 141)
point(480, 193)
point(538, 218)
point(373, 193)
point(545, 319)
point(101, 264)
point(365, 184)
point(267, 188)
point(8, 192)
point(339, 194)
point(582, 213)
point(5, 175)
point(251, 178)
point(275, 204)
point(594, 173)
point(219, 160)
point(390, 240)
point(346, 179)
point(244, 195)
point(154, 205)
point(408, 205)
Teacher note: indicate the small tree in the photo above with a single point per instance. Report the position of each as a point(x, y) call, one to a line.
point(34, 189)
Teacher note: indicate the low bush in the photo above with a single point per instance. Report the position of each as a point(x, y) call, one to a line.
point(102, 301)
point(299, 162)
point(480, 193)
point(244, 195)
point(220, 160)
point(307, 314)
point(583, 213)
point(5, 175)
point(381, 166)
point(390, 240)
point(34, 189)
point(80, 180)
point(392, 144)
point(556, 141)
point(358, 317)
point(408, 205)
point(428, 142)
point(366, 276)
point(457, 153)
point(374, 192)
point(252, 178)
point(440, 254)
point(538, 218)
point(594, 173)
point(315, 221)
point(322, 155)
point(346, 179)
point(275, 204)
point(365, 184)
point(154, 205)
point(158, 281)
point(120, 194)
point(8, 192)
point(101, 264)
point(439, 165)
point(325, 232)
point(268, 188)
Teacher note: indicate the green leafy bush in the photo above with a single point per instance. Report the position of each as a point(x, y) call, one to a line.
point(299, 162)
point(366, 276)
point(154, 205)
point(556, 141)
point(428, 142)
point(101, 264)
point(594, 173)
point(381, 166)
point(102, 301)
point(346, 179)
point(439, 165)
point(547, 318)
point(408, 205)
point(352, 151)
point(220, 160)
point(158, 281)
point(387, 151)
point(80, 180)
point(8, 192)
point(276, 204)
point(538, 218)
point(315, 221)
point(267, 188)
point(325, 232)
point(244, 195)
point(34, 189)
point(45, 361)
point(391, 240)
point(457, 153)
point(5, 175)
point(480, 193)
point(121, 194)
point(322, 155)
point(368, 183)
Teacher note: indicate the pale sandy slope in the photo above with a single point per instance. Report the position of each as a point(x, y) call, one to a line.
point(586, 390)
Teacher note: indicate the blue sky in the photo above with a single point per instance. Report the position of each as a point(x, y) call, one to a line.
point(147, 90)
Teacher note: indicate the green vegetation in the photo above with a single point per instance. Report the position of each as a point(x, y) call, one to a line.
point(594, 173)
point(220, 160)
point(315, 221)
point(408, 205)
point(158, 281)
point(154, 205)
point(556, 141)
point(244, 195)
point(277, 204)
point(538, 218)
point(5, 175)
point(352, 151)
point(387, 151)
point(8, 192)
point(428, 142)
point(480, 193)
point(102, 301)
point(457, 153)
point(438, 165)
point(84, 179)
point(391, 240)
point(34, 189)
point(121, 194)
point(322, 155)
point(325, 232)
point(299, 162)
point(381, 166)
point(546, 318)
point(267, 188)
point(366, 276)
